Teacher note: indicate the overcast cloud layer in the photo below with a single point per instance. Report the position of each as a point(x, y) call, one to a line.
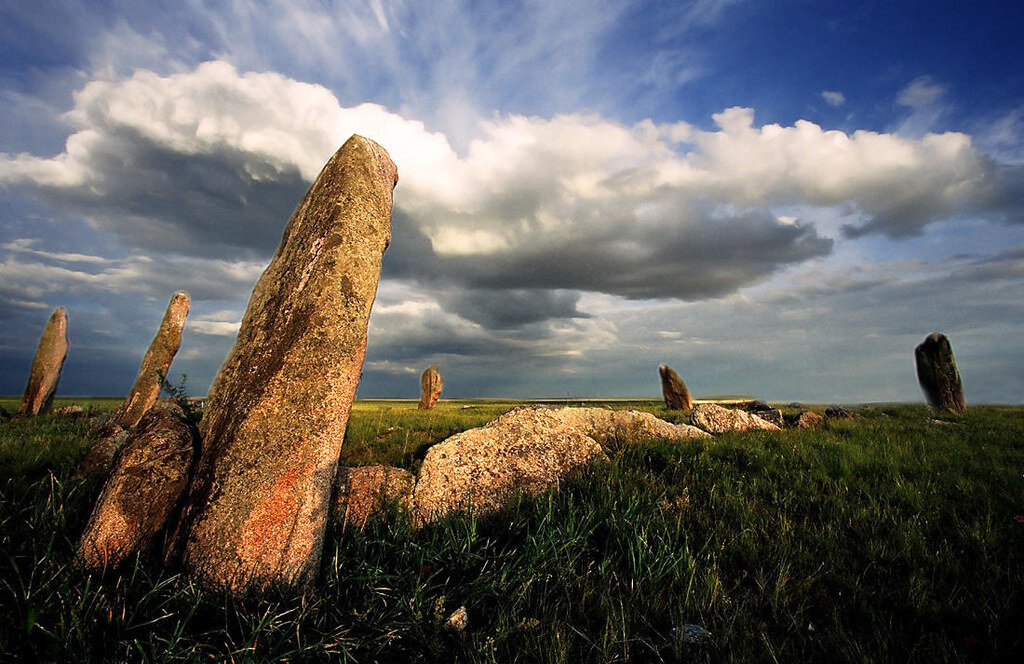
point(558, 242)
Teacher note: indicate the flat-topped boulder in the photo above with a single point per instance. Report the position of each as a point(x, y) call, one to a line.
point(275, 418)
point(717, 419)
point(46, 367)
point(527, 450)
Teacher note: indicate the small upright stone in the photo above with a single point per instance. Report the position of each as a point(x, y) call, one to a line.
point(431, 384)
point(155, 364)
point(46, 366)
point(938, 375)
point(677, 397)
point(275, 418)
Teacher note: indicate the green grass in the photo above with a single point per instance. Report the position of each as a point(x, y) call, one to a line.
point(891, 537)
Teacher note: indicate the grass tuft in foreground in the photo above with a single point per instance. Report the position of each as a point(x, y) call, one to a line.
point(893, 537)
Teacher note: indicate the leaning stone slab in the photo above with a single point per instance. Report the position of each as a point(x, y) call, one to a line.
point(363, 491)
point(275, 419)
point(46, 366)
point(157, 361)
point(677, 397)
point(144, 489)
point(527, 450)
point(938, 375)
point(109, 439)
point(716, 419)
point(431, 384)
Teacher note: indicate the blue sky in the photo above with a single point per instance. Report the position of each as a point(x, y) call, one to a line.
point(775, 198)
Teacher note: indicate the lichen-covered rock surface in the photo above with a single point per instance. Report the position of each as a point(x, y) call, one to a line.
point(528, 450)
point(144, 488)
point(363, 491)
point(46, 366)
point(716, 419)
point(275, 419)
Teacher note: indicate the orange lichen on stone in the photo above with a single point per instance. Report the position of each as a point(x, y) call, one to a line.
point(273, 519)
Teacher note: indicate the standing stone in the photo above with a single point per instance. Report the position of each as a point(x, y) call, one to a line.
point(275, 418)
point(431, 383)
point(46, 366)
point(938, 376)
point(677, 397)
point(155, 364)
point(143, 490)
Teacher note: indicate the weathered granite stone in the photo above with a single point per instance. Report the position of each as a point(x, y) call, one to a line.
point(275, 418)
point(810, 420)
point(716, 419)
point(109, 439)
point(144, 489)
point(765, 411)
point(157, 361)
point(938, 375)
point(46, 366)
point(677, 397)
point(431, 384)
point(526, 450)
point(362, 491)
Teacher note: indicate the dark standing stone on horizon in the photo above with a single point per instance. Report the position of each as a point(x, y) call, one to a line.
point(677, 397)
point(46, 366)
point(938, 375)
point(275, 419)
point(431, 384)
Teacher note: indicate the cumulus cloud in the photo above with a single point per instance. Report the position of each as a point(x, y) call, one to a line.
point(208, 164)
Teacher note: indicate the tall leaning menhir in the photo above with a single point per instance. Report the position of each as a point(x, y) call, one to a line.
point(276, 413)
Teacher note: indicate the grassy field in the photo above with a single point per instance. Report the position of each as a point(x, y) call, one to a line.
point(896, 536)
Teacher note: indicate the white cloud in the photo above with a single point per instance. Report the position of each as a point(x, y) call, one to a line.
point(833, 98)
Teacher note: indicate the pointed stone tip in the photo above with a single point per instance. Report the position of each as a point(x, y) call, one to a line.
point(385, 165)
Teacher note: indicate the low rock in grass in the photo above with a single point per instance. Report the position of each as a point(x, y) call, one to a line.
point(144, 489)
point(716, 419)
point(363, 491)
point(527, 450)
point(810, 420)
point(836, 412)
point(764, 411)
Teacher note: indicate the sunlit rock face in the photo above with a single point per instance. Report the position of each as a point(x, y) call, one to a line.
point(46, 365)
point(276, 414)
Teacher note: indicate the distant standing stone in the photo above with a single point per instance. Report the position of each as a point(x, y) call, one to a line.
point(156, 363)
point(677, 397)
point(275, 419)
point(938, 375)
point(431, 384)
point(143, 490)
point(46, 366)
